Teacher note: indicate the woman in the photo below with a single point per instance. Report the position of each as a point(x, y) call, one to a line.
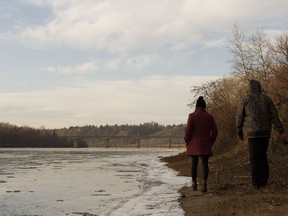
point(200, 134)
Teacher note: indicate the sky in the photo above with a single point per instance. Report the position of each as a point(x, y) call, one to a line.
point(95, 62)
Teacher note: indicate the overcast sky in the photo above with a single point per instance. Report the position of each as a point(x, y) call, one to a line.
point(95, 62)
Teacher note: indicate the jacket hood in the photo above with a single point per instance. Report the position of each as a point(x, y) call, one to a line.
point(254, 87)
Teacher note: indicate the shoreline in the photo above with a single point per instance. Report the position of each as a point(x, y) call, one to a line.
point(229, 187)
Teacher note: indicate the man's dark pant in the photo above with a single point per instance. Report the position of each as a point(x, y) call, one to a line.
point(258, 160)
point(205, 168)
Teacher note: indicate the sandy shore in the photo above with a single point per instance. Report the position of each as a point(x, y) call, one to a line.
point(229, 187)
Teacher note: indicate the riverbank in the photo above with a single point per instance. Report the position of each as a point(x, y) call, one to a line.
point(229, 186)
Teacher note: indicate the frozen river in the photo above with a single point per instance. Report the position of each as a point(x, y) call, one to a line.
point(88, 182)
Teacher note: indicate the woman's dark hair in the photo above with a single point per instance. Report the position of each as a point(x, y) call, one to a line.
point(201, 103)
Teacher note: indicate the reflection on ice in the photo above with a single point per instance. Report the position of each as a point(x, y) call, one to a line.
point(88, 181)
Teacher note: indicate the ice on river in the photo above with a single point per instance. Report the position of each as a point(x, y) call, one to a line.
point(88, 182)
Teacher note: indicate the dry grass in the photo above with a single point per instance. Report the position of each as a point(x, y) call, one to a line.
point(229, 186)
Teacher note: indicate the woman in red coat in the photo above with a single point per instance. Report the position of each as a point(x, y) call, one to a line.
point(200, 134)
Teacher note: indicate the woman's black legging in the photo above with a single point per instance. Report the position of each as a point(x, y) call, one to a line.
point(205, 168)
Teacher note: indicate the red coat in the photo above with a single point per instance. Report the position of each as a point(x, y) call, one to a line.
point(200, 133)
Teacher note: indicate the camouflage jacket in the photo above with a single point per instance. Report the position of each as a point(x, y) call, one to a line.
point(258, 112)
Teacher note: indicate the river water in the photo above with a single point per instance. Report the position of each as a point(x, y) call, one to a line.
point(88, 182)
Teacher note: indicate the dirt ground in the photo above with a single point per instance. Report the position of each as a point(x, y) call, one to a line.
point(229, 186)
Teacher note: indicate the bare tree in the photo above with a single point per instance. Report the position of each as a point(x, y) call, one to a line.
point(242, 60)
point(252, 57)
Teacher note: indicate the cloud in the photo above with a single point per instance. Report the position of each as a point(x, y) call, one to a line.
point(77, 69)
point(129, 63)
point(162, 99)
point(221, 42)
point(34, 2)
point(122, 26)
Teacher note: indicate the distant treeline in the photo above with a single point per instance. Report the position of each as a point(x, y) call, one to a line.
point(20, 137)
point(145, 129)
point(126, 135)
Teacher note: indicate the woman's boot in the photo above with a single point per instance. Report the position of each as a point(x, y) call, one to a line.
point(194, 185)
point(204, 186)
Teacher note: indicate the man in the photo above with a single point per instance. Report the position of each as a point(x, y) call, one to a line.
point(258, 112)
point(200, 134)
